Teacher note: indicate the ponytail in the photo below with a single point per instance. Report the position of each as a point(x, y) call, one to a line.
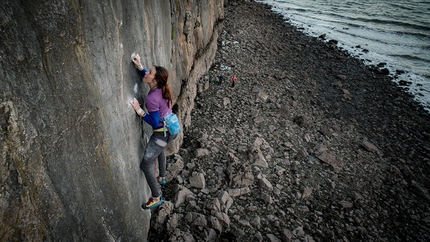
point(161, 76)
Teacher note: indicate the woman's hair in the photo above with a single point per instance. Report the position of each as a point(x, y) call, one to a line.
point(161, 76)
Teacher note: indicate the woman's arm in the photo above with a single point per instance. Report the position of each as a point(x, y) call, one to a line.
point(153, 119)
point(136, 60)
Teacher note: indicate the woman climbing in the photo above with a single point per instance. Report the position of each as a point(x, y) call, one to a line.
point(158, 103)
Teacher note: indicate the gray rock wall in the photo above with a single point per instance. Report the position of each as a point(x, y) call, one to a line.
point(70, 141)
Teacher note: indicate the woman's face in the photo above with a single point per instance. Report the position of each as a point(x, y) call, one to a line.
point(149, 76)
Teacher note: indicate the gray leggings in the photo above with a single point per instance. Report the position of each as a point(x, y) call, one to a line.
point(155, 149)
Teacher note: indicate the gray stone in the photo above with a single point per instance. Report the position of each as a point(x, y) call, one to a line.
point(228, 204)
point(244, 223)
point(215, 224)
point(331, 159)
point(174, 169)
point(286, 235)
point(303, 208)
point(306, 192)
point(173, 222)
point(273, 238)
point(214, 204)
point(165, 210)
point(266, 198)
point(202, 152)
point(259, 119)
point(256, 222)
point(240, 174)
point(242, 149)
point(257, 144)
point(261, 95)
point(258, 159)
point(265, 184)
point(370, 147)
point(222, 218)
point(346, 204)
point(210, 234)
point(197, 180)
point(206, 85)
point(279, 170)
point(223, 197)
point(200, 88)
point(342, 77)
point(226, 102)
point(258, 237)
point(181, 195)
point(181, 236)
point(196, 219)
point(298, 232)
point(238, 191)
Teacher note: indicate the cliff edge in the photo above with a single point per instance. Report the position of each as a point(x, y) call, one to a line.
point(71, 143)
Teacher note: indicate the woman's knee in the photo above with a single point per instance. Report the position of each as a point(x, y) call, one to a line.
point(145, 165)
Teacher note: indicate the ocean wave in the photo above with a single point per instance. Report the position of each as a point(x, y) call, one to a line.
point(378, 22)
point(411, 57)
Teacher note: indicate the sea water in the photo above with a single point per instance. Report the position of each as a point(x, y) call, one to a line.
point(395, 32)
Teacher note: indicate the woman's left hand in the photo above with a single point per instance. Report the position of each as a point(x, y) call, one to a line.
point(135, 104)
point(136, 60)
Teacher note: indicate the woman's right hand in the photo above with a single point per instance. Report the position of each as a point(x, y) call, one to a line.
point(135, 104)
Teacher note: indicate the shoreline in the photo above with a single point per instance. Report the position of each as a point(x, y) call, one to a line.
point(310, 144)
point(416, 82)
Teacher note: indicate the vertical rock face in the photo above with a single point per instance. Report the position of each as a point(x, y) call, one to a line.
point(70, 142)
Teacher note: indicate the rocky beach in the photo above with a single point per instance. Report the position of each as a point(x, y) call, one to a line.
point(309, 145)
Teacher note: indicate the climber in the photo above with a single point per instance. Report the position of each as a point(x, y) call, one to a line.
point(221, 79)
point(159, 104)
point(233, 80)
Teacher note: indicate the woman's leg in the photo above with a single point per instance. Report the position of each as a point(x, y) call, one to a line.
point(162, 157)
point(162, 164)
point(152, 151)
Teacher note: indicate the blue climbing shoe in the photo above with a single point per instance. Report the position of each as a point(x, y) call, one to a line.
point(161, 180)
point(152, 203)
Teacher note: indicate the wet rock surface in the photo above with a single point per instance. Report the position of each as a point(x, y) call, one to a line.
point(309, 145)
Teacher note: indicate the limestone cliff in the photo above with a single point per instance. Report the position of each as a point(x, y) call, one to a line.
point(71, 143)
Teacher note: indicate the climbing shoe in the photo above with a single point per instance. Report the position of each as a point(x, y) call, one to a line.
point(161, 180)
point(152, 203)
